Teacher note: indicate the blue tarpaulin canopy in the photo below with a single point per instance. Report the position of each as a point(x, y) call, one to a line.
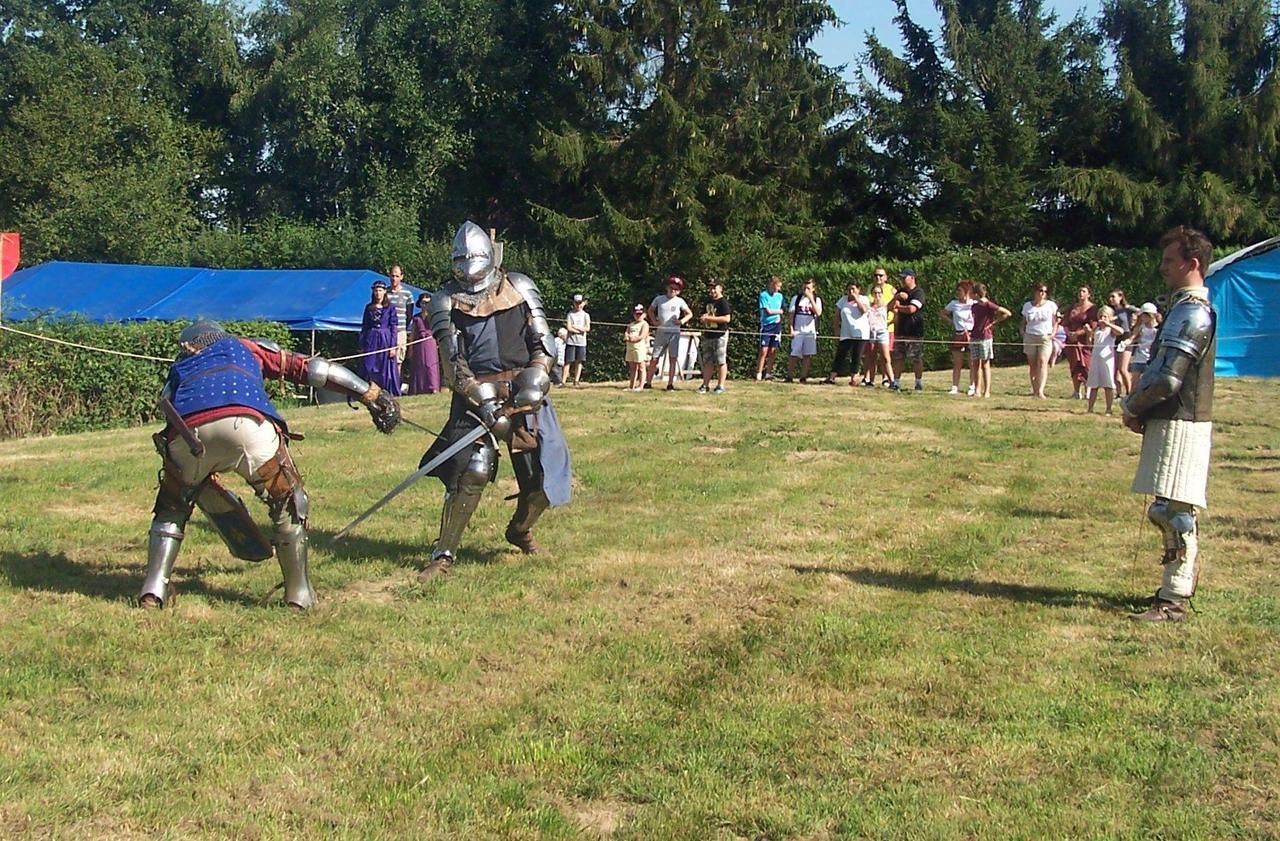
point(301, 299)
point(1245, 291)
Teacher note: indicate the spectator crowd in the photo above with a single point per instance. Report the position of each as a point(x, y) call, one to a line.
point(878, 328)
point(879, 331)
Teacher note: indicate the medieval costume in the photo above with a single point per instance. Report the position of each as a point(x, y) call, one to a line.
point(220, 420)
point(1079, 323)
point(378, 333)
point(424, 355)
point(1173, 403)
point(495, 350)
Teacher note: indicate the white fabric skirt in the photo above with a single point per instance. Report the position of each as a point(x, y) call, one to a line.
point(1175, 461)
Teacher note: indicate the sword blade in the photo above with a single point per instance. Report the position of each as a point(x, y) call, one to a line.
point(449, 452)
point(418, 426)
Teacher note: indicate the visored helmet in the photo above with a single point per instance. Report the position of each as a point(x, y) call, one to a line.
point(474, 264)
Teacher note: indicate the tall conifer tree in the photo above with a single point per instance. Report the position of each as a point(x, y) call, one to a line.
point(706, 120)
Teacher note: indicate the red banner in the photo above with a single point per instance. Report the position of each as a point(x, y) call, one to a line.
point(10, 253)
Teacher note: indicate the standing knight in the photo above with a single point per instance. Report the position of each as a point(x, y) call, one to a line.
point(1172, 407)
point(221, 419)
point(496, 352)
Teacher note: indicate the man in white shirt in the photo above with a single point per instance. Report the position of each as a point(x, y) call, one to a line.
point(668, 313)
point(806, 309)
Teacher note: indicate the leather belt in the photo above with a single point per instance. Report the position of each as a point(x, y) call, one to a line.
point(498, 377)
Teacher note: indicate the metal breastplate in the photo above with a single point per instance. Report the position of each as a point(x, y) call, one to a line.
point(1194, 401)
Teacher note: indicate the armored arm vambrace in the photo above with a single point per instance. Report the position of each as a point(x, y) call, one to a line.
point(321, 373)
point(454, 369)
point(1162, 379)
point(538, 336)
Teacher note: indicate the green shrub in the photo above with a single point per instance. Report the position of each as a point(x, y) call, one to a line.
point(51, 388)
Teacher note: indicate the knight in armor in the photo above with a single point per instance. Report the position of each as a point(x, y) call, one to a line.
point(496, 353)
point(221, 420)
point(1171, 406)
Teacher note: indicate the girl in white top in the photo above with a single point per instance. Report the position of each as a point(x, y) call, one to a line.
point(960, 313)
point(878, 331)
point(1142, 337)
point(1039, 322)
point(1102, 363)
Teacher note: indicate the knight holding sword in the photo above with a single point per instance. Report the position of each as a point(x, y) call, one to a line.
point(220, 420)
point(496, 351)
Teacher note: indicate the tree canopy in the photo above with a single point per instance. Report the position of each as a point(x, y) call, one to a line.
point(633, 137)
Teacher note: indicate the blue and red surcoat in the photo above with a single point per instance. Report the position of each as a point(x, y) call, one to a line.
point(225, 375)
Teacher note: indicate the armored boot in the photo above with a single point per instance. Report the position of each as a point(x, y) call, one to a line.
point(1177, 524)
point(164, 541)
point(519, 533)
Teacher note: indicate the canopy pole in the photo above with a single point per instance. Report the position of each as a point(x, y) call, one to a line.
point(311, 390)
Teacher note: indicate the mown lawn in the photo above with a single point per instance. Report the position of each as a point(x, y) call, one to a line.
point(787, 612)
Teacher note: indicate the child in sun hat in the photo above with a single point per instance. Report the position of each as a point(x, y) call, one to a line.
point(637, 338)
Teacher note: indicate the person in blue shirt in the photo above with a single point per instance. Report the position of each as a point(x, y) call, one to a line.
point(771, 310)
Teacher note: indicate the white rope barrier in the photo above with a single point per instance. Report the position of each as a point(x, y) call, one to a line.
point(686, 331)
point(683, 332)
point(80, 346)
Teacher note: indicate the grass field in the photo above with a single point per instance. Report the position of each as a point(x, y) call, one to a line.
point(787, 612)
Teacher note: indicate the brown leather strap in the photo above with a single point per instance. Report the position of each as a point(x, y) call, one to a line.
point(498, 377)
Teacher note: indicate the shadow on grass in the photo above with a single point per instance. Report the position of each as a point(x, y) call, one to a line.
point(356, 548)
point(59, 574)
point(1264, 530)
point(913, 582)
point(1241, 467)
point(1040, 514)
point(1249, 457)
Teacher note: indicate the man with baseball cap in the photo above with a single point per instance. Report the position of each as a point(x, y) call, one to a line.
point(668, 313)
point(713, 352)
point(909, 346)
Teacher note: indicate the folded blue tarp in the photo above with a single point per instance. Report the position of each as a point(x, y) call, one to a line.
point(1245, 290)
point(302, 299)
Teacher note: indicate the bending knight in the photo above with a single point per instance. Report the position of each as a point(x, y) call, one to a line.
point(221, 419)
point(496, 352)
point(1172, 407)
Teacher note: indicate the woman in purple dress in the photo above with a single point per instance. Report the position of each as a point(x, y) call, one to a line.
point(424, 356)
point(378, 333)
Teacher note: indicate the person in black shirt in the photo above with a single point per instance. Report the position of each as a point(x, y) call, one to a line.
point(713, 352)
point(909, 344)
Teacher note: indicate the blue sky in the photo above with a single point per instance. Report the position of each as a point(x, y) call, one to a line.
point(845, 44)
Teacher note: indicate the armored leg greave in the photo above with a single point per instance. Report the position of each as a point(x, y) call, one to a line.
point(1158, 513)
point(460, 503)
point(165, 538)
point(1177, 522)
point(162, 552)
point(287, 501)
point(291, 550)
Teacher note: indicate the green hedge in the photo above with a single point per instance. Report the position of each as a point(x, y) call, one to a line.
point(50, 388)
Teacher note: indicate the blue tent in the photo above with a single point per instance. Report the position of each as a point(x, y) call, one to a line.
point(301, 299)
point(1245, 290)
